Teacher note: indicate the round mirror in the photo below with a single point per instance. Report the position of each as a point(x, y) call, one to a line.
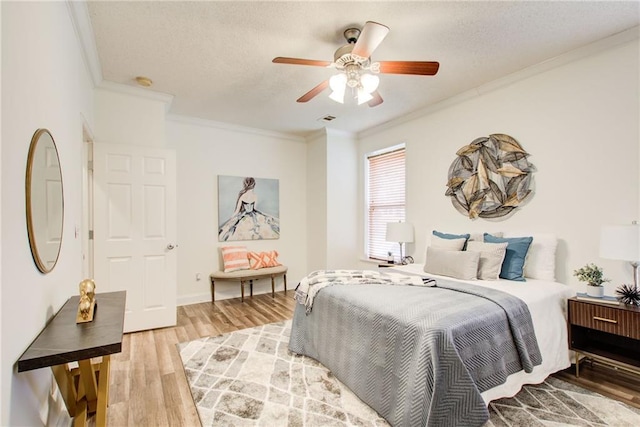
point(45, 205)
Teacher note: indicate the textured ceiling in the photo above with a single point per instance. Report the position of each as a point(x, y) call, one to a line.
point(215, 57)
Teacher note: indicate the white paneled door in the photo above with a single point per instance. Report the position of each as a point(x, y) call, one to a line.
point(135, 231)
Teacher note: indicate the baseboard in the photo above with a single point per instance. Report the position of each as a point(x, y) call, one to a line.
point(193, 299)
point(223, 294)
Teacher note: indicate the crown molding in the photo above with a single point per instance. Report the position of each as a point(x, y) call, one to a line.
point(81, 21)
point(318, 133)
point(84, 32)
point(626, 36)
point(79, 14)
point(139, 92)
point(233, 128)
point(327, 132)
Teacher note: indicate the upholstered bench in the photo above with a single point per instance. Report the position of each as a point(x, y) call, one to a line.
point(244, 276)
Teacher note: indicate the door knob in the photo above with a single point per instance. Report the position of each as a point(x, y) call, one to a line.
point(170, 246)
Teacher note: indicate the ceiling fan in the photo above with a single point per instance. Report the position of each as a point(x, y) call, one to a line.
point(357, 71)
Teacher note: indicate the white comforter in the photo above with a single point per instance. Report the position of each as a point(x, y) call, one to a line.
point(547, 302)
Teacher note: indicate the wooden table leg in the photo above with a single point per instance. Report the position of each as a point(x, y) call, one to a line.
point(103, 391)
point(273, 287)
point(80, 420)
point(67, 387)
point(88, 379)
point(242, 290)
point(285, 283)
point(577, 364)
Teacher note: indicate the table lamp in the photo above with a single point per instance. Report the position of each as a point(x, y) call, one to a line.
point(622, 242)
point(401, 232)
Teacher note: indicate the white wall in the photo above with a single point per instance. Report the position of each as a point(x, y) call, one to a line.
point(129, 118)
point(316, 178)
point(332, 185)
point(205, 151)
point(1, 364)
point(45, 84)
point(579, 122)
point(341, 185)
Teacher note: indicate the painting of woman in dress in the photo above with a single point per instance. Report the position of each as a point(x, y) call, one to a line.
point(238, 212)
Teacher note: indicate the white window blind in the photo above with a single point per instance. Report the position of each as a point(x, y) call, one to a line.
point(386, 199)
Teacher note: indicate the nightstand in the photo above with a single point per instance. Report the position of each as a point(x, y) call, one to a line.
point(604, 332)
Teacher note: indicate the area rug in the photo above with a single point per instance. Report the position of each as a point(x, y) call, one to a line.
point(249, 378)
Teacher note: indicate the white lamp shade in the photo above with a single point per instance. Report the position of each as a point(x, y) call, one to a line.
point(401, 232)
point(363, 97)
point(369, 82)
point(337, 84)
point(620, 242)
point(337, 96)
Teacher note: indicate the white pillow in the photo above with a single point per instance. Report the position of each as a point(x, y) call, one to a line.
point(491, 257)
point(541, 257)
point(458, 264)
point(447, 244)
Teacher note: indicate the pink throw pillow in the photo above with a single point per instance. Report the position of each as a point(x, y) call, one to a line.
point(235, 258)
point(258, 260)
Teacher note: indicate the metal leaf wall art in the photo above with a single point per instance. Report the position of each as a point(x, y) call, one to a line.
point(490, 177)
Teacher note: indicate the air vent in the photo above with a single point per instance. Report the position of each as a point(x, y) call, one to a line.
point(327, 118)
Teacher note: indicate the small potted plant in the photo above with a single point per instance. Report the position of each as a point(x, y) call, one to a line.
point(593, 276)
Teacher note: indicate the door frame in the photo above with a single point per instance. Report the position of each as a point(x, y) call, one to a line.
point(87, 201)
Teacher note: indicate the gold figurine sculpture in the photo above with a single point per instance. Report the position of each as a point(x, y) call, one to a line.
point(87, 303)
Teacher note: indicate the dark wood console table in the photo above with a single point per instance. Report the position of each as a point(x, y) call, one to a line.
point(85, 389)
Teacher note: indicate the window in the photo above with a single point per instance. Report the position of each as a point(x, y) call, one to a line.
point(385, 199)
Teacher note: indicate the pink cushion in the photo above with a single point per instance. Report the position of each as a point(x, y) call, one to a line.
point(234, 258)
point(258, 260)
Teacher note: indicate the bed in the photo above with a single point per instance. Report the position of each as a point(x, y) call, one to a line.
point(379, 340)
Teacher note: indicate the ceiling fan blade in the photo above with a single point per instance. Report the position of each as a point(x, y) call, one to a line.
point(313, 92)
point(377, 99)
point(423, 68)
point(370, 38)
point(300, 61)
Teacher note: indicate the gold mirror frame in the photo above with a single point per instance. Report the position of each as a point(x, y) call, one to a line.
point(45, 201)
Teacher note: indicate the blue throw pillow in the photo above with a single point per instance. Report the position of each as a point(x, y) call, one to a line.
point(513, 264)
point(453, 236)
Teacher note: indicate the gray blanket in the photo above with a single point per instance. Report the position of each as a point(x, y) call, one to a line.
point(419, 356)
point(314, 282)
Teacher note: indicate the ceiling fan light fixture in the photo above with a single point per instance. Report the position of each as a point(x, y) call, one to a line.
point(369, 82)
point(337, 96)
point(338, 83)
point(353, 75)
point(363, 96)
point(353, 60)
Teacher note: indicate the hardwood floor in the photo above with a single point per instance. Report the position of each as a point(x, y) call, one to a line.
point(605, 380)
point(149, 388)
